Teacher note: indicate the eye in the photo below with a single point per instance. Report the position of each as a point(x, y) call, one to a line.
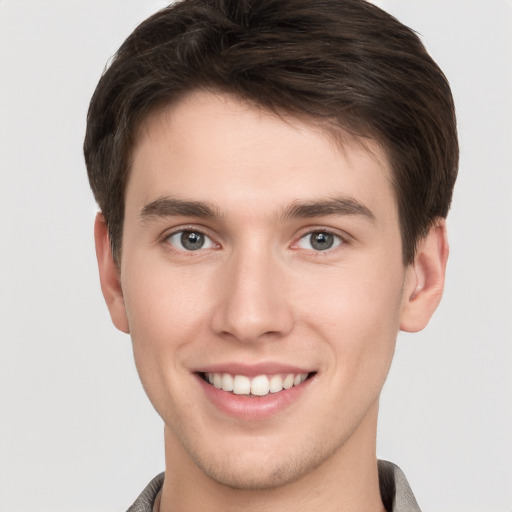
point(190, 240)
point(319, 241)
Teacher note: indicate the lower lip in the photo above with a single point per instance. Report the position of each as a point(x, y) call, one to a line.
point(252, 408)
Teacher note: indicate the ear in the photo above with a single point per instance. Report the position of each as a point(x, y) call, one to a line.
point(109, 275)
point(424, 282)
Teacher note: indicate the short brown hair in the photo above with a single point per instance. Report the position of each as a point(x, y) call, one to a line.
point(346, 62)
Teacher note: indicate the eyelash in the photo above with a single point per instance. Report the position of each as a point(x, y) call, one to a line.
point(338, 240)
point(166, 239)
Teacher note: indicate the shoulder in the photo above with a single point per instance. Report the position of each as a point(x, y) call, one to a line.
point(395, 491)
point(144, 503)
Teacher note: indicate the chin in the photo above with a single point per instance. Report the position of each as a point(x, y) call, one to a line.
point(254, 479)
point(262, 471)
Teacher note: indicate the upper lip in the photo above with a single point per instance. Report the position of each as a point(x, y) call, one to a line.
point(253, 370)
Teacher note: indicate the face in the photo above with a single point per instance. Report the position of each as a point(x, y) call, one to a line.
point(263, 287)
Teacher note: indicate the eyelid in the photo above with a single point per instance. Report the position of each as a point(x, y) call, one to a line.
point(308, 231)
point(166, 235)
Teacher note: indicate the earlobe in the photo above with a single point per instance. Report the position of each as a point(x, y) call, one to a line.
point(425, 279)
point(109, 275)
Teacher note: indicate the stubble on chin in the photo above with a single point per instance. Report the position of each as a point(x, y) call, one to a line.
point(261, 473)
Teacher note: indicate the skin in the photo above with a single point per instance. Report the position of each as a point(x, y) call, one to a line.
point(259, 292)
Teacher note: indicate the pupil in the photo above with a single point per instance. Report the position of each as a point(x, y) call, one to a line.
point(192, 241)
point(322, 241)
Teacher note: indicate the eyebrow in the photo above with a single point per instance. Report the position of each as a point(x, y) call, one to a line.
point(334, 206)
point(171, 207)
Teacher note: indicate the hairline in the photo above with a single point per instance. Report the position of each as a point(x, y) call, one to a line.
point(340, 135)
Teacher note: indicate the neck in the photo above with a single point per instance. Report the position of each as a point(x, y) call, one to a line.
point(346, 481)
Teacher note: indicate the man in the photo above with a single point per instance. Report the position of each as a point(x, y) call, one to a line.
point(273, 179)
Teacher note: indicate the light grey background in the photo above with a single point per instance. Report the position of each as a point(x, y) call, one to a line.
point(76, 431)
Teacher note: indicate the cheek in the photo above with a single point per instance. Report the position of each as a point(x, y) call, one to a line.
point(360, 297)
point(166, 313)
point(161, 303)
point(357, 319)
point(165, 318)
point(357, 312)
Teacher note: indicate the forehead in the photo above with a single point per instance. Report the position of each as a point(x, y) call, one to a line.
point(217, 148)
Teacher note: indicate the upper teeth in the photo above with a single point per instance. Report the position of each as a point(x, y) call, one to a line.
point(260, 386)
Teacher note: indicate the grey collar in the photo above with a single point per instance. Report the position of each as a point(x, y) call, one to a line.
point(394, 489)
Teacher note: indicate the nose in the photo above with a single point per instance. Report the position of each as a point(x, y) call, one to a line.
point(253, 299)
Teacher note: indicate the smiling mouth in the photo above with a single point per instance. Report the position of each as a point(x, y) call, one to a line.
point(258, 386)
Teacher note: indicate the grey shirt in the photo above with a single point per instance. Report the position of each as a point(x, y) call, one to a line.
point(394, 489)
